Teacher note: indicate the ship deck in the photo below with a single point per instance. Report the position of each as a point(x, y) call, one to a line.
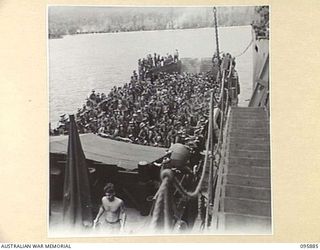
point(135, 223)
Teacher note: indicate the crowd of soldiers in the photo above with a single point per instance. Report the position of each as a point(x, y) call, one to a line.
point(171, 109)
point(155, 61)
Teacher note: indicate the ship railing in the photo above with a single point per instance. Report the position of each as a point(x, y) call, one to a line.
point(225, 102)
point(162, 216)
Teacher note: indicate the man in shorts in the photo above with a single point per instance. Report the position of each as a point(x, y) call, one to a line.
point(113, 211)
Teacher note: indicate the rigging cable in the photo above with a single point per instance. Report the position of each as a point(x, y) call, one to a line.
point(245, 50)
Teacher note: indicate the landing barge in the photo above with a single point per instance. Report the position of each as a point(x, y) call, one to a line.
point(226, 190)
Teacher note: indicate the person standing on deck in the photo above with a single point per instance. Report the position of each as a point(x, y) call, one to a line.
point(215, 68)
point(113, 210)
point(176, 56)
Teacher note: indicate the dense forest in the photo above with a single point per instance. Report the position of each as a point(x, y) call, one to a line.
point(69, 20)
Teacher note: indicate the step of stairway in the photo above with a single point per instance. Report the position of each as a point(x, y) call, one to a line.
point(247, 146)
point(247, 192)
point(245, 128)
point(249, 135)
point(241, 123)
point(251, 123)
point(248, 130)
point(258, 114)
point(236, 152)
point(249, 171)
point(247, 206)
point(248, 140)
point(243, 180)
point(250, 117)
point(249, 162)
point(247, 111)
point(247, 223)
point(247, 108)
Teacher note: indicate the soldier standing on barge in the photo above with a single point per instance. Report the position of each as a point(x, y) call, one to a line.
point(113, 210)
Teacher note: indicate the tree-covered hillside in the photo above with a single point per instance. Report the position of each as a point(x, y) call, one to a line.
point(74, 20)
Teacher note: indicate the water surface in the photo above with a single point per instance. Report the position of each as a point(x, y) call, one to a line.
point(80, 63)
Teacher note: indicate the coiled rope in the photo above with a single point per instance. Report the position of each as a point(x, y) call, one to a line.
point(176, 183)
point(161, 212)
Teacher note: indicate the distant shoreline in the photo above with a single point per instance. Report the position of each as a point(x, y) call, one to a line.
point(59, 36)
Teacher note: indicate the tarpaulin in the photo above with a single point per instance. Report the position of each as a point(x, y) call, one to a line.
point(110, 152)
point(77, 206)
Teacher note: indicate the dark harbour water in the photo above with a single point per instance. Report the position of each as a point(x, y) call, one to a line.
point(78, 64)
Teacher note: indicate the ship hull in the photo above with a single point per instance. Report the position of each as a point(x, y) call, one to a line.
point(260, 96)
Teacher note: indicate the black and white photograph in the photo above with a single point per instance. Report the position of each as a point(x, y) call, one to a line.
point(159, 120)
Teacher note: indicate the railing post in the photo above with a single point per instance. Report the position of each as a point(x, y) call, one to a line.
point(216, 34)
point(222, 104)
point(167, 215)
point(210, 179)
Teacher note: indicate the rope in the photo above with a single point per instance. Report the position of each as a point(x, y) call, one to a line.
point(195, 193)
point(216, 34)
point(156, 215)
point(225, 104)
point(207, 220)
point(210, 186)
point(162, 210)
point(202, 209)
point(162, 203)
point(167, 215)
point(245, 49)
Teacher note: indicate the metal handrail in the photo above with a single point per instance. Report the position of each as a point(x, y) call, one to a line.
point(168, 178)
point(213, 173)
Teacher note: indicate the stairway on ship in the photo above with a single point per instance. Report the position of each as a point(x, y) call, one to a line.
point(243, 193)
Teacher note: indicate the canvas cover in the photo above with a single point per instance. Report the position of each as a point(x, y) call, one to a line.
point(108, 151)
point(77, 206)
